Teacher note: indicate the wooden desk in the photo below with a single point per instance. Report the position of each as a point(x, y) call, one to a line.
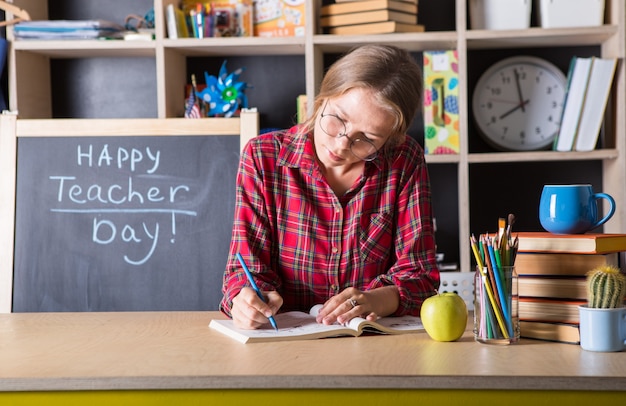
point(151, 357)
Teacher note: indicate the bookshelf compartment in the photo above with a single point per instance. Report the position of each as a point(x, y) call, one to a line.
point(515, 187)
point(273, 82)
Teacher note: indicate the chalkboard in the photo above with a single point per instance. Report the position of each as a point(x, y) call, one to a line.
point(122, 223)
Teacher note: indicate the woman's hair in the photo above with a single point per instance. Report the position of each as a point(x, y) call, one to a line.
point(389, 71)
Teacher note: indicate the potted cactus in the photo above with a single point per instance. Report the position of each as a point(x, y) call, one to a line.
point(606, 287)
point(603, 319)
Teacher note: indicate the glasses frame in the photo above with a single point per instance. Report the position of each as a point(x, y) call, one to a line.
point(344, 133)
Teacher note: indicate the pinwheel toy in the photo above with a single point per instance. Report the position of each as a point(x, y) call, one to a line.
point(224, 95)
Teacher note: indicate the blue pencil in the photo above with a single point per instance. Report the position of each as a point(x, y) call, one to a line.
point(501, 289)
point(254, 286)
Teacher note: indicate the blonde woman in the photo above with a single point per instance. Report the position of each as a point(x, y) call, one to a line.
point(337, 210)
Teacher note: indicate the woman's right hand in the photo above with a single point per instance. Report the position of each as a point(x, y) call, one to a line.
point(250, 312)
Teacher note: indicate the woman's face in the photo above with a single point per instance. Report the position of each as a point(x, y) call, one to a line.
point(358, 116)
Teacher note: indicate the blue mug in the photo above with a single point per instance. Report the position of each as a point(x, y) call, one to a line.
point(572, 209)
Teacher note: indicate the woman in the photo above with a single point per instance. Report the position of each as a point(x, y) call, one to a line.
point(338, 210)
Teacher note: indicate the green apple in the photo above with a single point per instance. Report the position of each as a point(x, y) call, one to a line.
point(444, 316)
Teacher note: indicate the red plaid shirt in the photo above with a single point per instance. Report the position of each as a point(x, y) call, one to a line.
point(300, 239)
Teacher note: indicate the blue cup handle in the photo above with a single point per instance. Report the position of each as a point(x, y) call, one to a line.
point(598, 196)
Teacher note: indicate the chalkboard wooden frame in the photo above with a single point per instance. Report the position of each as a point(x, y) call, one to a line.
point(12, 128)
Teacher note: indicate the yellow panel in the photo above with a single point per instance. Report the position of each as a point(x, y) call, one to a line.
point(328, 397)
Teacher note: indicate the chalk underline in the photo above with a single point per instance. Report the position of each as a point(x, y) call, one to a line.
point(97, 211)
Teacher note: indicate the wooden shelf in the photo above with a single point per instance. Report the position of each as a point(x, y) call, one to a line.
point(540, 37)
point(506, 157)
point(237, 46)
point(411, 41)
point(87, 48)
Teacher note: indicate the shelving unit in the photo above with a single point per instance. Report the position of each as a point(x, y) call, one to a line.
point(30, 90)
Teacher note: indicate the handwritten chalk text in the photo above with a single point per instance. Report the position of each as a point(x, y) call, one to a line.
point(110, 202)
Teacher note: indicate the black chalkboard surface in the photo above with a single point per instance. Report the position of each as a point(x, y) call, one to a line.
point(122, 223)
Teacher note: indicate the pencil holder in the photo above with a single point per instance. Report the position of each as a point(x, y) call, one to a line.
point(496, 317)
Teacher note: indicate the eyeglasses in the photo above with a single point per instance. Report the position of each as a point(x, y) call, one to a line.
point(335, 127)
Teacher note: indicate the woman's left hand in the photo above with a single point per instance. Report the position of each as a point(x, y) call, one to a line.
point(345, 306)
point(352, 302)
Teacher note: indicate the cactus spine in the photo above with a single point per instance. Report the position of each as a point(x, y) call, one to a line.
point(606, 287)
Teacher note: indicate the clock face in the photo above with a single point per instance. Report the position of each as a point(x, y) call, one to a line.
point(517, 103)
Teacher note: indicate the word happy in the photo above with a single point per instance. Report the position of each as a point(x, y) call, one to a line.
point(75, 195)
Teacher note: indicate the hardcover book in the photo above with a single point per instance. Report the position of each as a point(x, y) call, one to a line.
point(368, 5)
point(574, 101)
point(176, 22)
point(559, 311)
point(552, 288)
point(303, 326)
point(559, 332)
point(596, 98)
point(367, 17)
point(590, 243)
point(384, 27)
point(559, 264)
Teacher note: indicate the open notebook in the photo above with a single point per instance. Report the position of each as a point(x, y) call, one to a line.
point(302, 326)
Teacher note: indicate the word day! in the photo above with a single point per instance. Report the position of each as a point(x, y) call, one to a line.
point(114, 200)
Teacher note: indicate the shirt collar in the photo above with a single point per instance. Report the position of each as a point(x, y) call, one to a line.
point(296, 150)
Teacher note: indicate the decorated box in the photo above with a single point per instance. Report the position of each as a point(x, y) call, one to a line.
point(441, 109)
point(279, 18)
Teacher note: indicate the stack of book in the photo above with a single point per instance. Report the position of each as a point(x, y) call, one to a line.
point(346, 17)
point(551, 283)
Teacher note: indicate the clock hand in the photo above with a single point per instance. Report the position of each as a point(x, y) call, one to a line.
point(519, 89)
point(519, 106)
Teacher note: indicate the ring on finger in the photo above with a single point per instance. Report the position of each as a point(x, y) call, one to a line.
point(353, 303)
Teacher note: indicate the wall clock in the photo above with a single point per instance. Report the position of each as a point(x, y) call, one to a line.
point(517, 103)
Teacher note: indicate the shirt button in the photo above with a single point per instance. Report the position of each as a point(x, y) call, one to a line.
point(335, 250)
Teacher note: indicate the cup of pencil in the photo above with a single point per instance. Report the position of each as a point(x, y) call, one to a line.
point(496, 317)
